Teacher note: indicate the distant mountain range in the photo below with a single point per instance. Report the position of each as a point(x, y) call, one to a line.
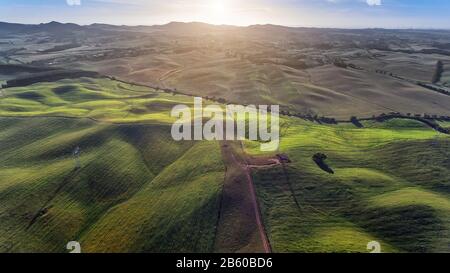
point(57, 27)
point(47, 27)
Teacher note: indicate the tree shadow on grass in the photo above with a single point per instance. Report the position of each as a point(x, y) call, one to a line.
point(320, 158)
point(356, 122)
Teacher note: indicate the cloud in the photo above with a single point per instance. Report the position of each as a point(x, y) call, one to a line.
point(374, 2)
point(369, 2)
point(73, 2)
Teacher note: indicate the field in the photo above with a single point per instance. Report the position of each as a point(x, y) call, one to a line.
point(137, 190)
point(100, 99)
point(390, 184)
point(87, 153)
point(323, 72)
point(135, 184)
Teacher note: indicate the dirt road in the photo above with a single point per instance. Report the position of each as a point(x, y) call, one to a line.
point(259, 222)
point(240, 226)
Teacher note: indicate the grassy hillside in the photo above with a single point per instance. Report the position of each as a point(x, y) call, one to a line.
point(329, 72)
point(391, 183)
point(139, 191)
point(176, 212)
point(99, 99)
point(46, 202)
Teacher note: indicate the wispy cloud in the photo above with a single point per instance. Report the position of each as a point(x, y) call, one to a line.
point(369, 2)
point(374, 2)
point(73, 2)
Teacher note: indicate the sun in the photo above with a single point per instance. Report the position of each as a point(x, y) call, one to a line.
point(219, 10)
point(218, 7)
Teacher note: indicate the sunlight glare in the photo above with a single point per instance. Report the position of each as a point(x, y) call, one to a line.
point(218, 7)
point(220, 11)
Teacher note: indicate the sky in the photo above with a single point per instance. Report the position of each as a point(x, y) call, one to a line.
point(308, 13)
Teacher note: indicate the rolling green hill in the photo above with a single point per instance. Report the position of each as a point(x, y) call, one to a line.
point(46, 202)
point(391, 184)
point(137, 190)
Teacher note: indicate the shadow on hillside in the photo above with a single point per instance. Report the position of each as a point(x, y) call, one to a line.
point(320, 158)
point(356, 122)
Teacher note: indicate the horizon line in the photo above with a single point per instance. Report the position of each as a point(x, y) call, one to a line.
point(229, 25)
